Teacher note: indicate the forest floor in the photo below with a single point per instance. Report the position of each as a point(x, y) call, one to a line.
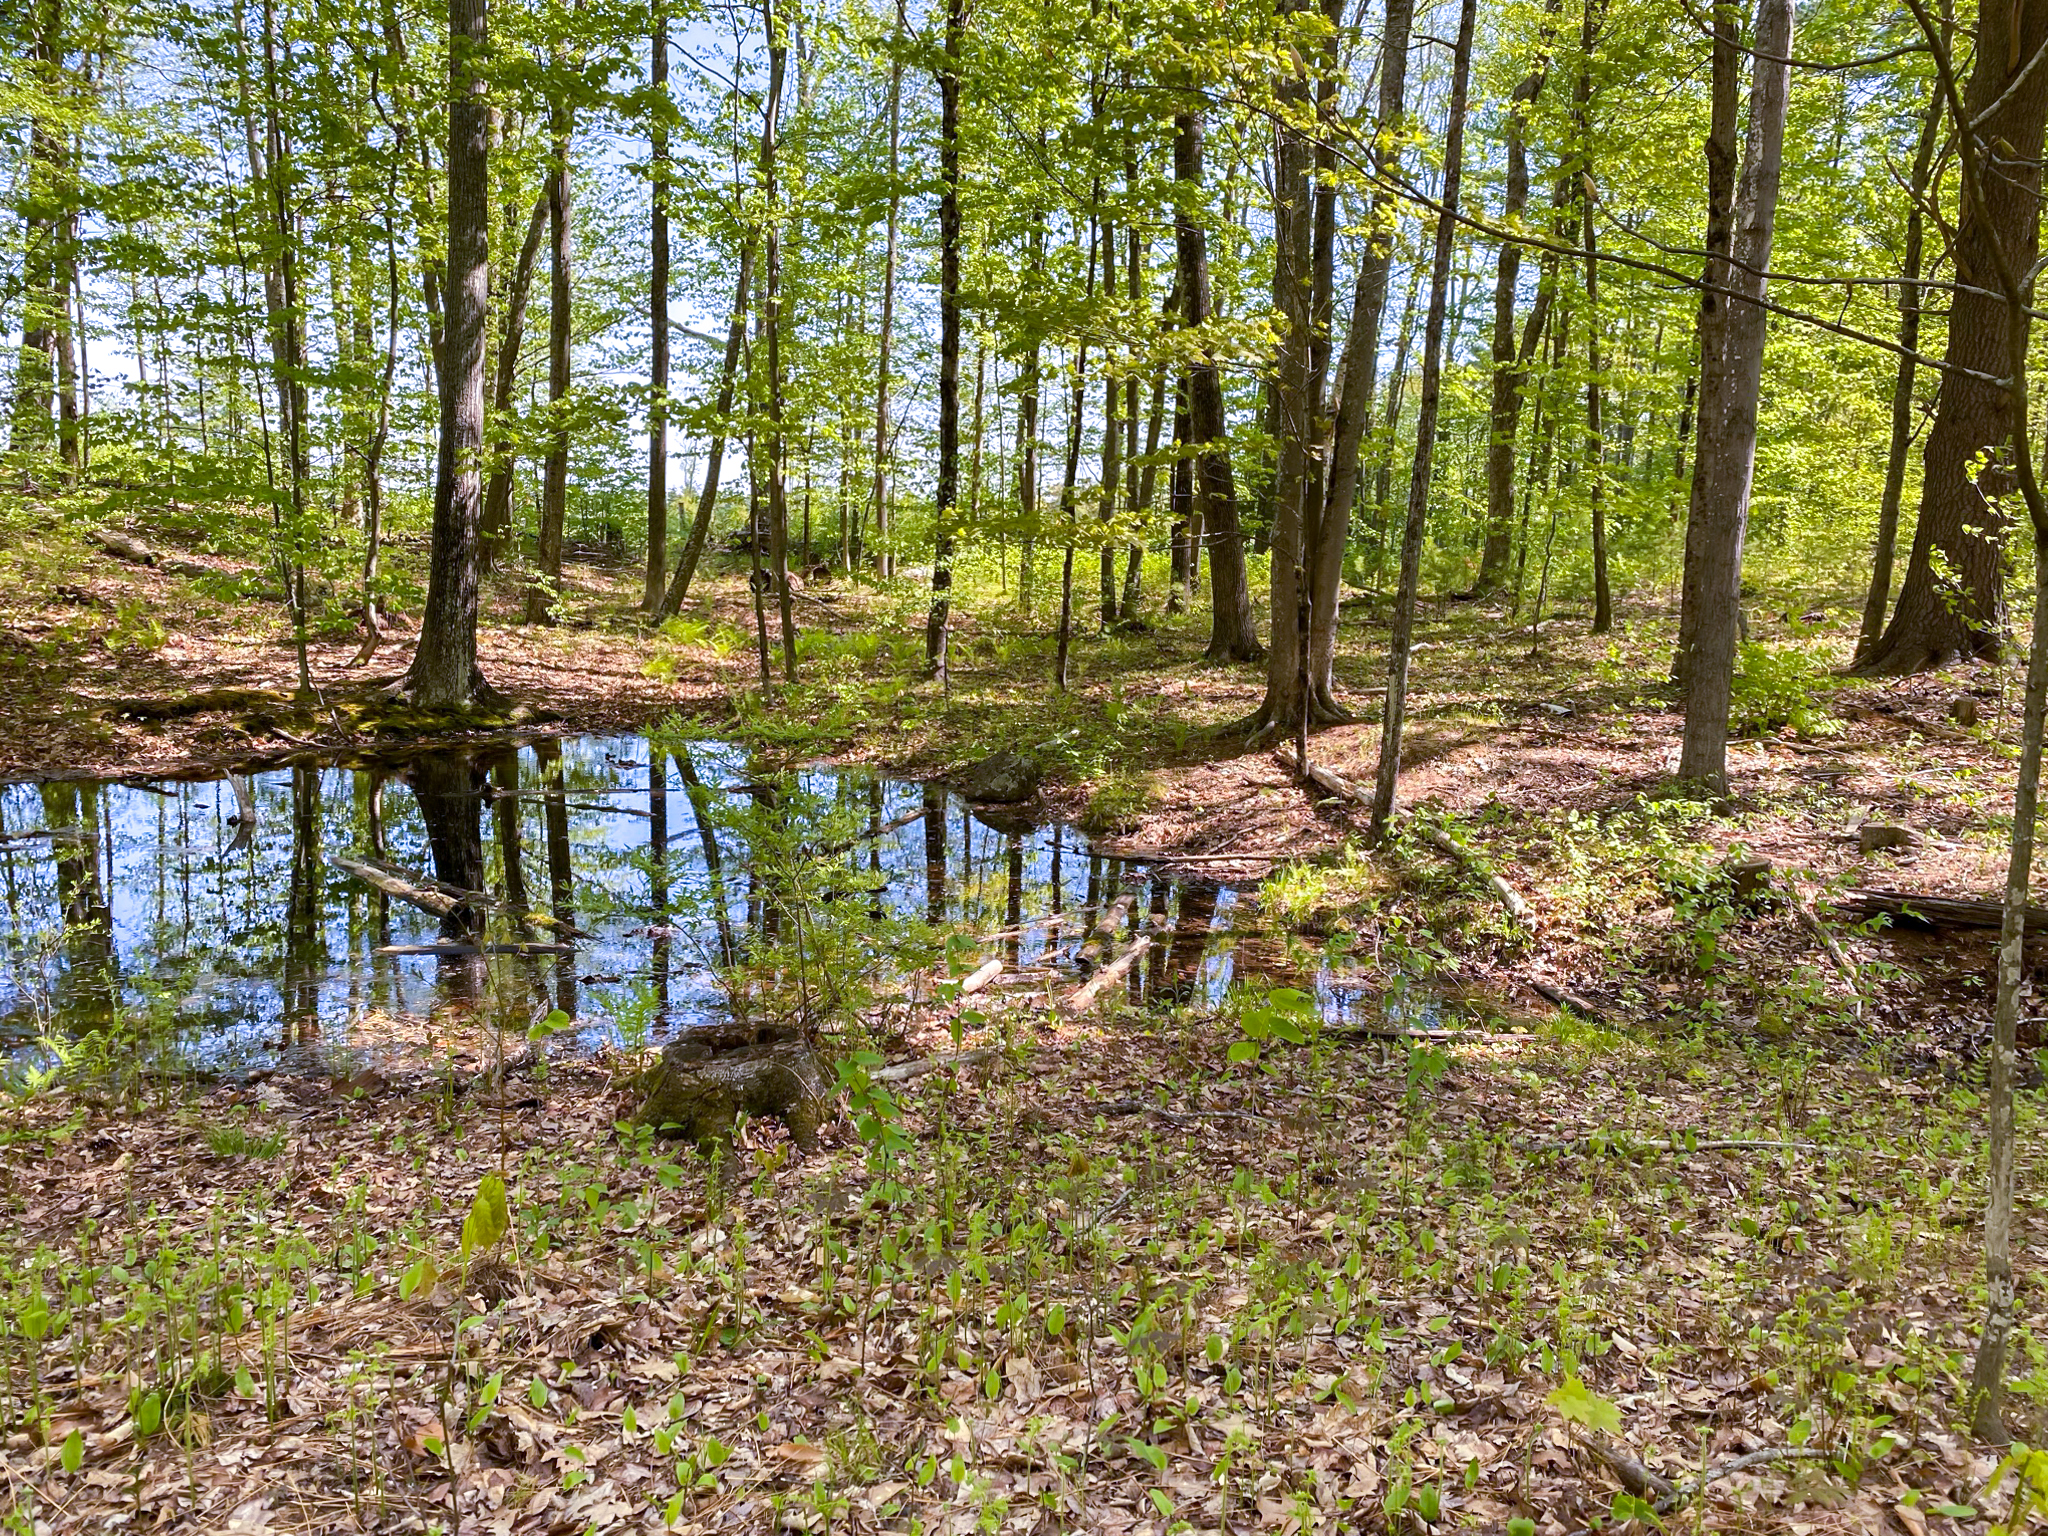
point(1720, 1218)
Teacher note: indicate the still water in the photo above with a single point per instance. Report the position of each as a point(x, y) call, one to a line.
point(216, 916)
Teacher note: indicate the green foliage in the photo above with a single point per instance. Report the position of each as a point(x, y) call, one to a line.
point(1779, 687)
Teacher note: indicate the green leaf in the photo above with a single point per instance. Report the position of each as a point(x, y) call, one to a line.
point(553, 1024)
point(1580, 1406)
point(1521, 1525)
point(149, 1417)
point(73, 1454)
point(1244, 1050)
point(537, 1393)
point(490, 1216)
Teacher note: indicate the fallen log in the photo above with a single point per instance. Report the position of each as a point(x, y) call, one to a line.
point(205, 702)
point(1101, 932)
point(1916, 910)
point(1084, 998)
point(987, 972)
point(135, 552)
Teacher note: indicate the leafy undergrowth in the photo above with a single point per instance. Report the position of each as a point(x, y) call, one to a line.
point(1166, 1272)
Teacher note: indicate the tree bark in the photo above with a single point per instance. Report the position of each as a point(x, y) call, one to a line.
point(543, 595)
point(1359, 373)
point(495, 530)
point(1732, 357)
point(1231, 636)
point(714, 459)
point(946, 494)
point(1402, 637)
point(444, 670)
point(1959, 611)
point(885, 558)
point(1510, 363)
point(772, 324)
point(1596, 442)
point(657, 322)
point(1286, 705)
point(1911, 302)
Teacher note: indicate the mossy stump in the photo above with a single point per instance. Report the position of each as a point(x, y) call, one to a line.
point(698, 1094)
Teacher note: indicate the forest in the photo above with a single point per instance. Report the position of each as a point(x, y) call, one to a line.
point(977, 766)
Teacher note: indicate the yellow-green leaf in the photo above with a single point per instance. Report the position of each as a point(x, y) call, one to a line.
point(1581, 1406)
point(489, 1219)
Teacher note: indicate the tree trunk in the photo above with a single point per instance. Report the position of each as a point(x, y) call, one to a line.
point(496, 528)
point(1510, 363)
point(1027, 470)
point(1596, 442)
point(1959, 610)
point(444, 671)
point(657, 323)
point(1112, 448)
point(543, 594)
point(885, 558)
point(1730, 381)
point(1911, 303)
point(946, 494)
point(714, 460)
point(1359, 374)
point(1286, 705)
point(771, 323)
point(1231, 636)
point(1403, 634)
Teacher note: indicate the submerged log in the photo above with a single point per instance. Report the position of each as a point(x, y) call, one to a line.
point(698, 1095)
point(439, 903)
point(462, 951)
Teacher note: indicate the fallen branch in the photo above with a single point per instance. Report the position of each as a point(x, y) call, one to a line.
point(1101, 931)
point(1565, 998)
point(1139, 1107)
point(1435, 837)
point(1843, 966)
point(1637, 1478)
point(904, 1071)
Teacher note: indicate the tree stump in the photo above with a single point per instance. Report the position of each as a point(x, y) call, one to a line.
point(696, 1093)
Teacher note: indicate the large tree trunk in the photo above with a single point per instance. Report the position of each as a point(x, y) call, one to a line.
point(1286, 705)
point(714, 460)
point(1510, 363)
point(946, 494)
point(657, 324)
point(1403, 633)
point(1730, 380)
point(1359, 373)
point(1231, 636)
point(1959, 610)
point(444, 671)
point(1911, 303)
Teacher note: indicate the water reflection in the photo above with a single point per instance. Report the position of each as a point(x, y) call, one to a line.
point(241, 940)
